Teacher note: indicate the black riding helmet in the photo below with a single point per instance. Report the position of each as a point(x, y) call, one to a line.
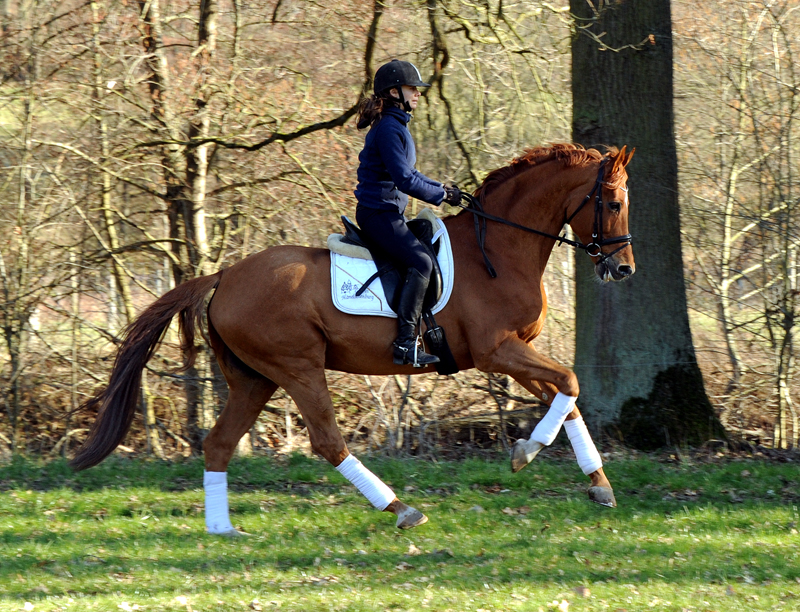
point(395, 74)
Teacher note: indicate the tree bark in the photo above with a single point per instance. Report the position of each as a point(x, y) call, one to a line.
point(634, 354)
point(18, 307)
point(185, 178)
point(98, 94)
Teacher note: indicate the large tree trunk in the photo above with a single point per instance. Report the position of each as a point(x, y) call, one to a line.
point(634, 355)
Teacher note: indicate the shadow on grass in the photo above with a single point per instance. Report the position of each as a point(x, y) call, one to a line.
point(131, 527)
point(642, 480)
point(163, 560)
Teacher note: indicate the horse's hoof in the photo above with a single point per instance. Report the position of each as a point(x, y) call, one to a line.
point(410, 517)
point(233, 533)
point(603, 496)
point(523, 453)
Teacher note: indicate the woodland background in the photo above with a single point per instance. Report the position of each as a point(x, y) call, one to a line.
point(144, 142)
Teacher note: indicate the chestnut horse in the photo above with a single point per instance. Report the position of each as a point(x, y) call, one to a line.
point(272, 323)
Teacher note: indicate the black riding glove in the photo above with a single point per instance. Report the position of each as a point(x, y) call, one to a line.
point(452, 195)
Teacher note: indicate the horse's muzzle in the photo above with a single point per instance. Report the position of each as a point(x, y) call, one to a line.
point(611, 270)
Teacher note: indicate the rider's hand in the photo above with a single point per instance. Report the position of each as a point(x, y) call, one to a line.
point(452, 195)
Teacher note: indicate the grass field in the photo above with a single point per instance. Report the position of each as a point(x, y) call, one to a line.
point(129, 535)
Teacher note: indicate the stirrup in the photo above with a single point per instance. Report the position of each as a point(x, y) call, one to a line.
point(421, 358)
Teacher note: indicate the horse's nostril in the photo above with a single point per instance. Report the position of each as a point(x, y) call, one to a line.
point(625, 270)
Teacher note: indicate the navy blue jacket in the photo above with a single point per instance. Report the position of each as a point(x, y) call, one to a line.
point(386, 174)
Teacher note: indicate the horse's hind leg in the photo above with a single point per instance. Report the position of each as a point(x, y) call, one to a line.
point(310, 392)
point(248, 392)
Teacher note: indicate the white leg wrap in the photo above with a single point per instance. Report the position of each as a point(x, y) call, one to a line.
point(547, 429)
point(585, 450)
point(370, 486)
point(216, 487)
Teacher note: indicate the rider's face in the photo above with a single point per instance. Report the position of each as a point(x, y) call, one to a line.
point(410, 95)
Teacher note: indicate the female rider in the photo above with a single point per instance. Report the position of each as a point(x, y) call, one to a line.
point(386, 177)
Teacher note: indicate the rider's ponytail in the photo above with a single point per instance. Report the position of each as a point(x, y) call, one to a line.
point(371, 108)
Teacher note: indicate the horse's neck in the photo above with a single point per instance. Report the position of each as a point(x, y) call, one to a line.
point(537, 198)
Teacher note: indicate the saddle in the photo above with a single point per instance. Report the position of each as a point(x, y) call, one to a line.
point(391, 278)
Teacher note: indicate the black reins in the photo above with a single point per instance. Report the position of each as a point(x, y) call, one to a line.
point(593, 249)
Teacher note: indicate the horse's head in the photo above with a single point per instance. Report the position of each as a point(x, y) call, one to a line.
point(602, 221)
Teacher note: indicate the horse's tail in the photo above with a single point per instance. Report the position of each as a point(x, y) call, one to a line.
point(116, 404)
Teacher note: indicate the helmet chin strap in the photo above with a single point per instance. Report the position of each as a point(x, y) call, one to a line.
point(405, 103)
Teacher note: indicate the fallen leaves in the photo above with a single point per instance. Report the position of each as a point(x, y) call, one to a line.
point(522, 510)
point(683, 495)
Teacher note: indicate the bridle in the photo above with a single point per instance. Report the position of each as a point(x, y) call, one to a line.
point(593, 249)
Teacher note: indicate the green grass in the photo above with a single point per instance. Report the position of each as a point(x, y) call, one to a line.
point(697, 536)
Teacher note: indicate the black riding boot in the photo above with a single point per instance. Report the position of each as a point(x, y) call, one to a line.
point(408, 311)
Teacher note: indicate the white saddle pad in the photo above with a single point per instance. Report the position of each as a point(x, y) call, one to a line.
point(348, 275)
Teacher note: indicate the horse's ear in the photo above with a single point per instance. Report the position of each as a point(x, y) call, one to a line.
point(630, 155)
point(619, 161)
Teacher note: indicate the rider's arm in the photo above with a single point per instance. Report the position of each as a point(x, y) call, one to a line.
point(392, 149)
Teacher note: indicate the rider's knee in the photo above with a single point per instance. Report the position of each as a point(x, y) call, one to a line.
point(424, 265)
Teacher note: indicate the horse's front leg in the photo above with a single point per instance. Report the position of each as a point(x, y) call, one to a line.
point(589, 459)
point(557, 386)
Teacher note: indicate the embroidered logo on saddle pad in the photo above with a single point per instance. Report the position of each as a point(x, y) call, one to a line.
point(352, 266)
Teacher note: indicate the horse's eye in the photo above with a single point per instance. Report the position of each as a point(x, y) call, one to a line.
point(615, 206)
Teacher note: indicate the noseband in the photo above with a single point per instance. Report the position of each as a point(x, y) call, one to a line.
point(593, 249)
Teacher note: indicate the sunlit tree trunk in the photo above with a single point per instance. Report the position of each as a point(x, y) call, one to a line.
point(197, 177)
point(16, 311)
point(75, 286)
point(185, 171)
point(121, 280)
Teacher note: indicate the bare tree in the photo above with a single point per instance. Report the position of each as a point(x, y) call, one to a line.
point(742, 195)
point(169, 140)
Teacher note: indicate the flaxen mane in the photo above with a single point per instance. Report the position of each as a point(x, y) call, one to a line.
point(569, 154)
